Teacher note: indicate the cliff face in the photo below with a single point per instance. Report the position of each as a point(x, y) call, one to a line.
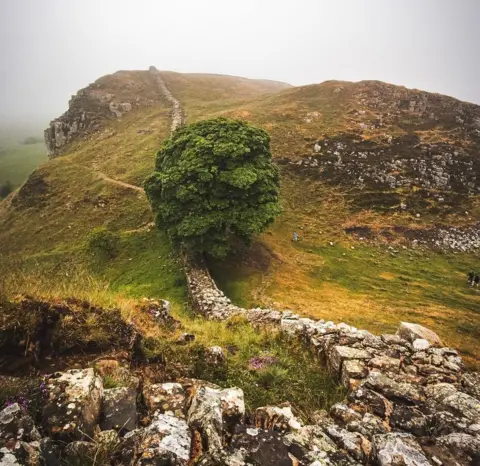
point(108, 98)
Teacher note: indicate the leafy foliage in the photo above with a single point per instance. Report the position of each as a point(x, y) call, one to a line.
point(214, 183)
point(102, 241)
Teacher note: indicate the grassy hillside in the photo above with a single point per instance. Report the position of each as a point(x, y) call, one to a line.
point(373, 282)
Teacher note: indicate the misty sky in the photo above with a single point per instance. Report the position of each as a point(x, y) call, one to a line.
point(49, 49)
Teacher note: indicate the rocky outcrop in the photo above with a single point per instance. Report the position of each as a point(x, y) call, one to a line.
point(109, 98)
point(86, 114)
point(403, 162)
point(403, 389)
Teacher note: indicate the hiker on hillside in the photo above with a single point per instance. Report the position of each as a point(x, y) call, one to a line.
point(295, 237)
point(471, 276)
point(476, 280)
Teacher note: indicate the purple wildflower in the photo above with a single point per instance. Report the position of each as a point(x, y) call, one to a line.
point(260, 362)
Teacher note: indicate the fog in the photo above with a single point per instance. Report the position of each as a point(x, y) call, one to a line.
point(49, 49)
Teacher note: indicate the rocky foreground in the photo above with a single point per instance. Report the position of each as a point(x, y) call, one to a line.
point(410, 402)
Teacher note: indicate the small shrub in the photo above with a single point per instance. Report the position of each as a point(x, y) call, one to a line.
point(103, 242)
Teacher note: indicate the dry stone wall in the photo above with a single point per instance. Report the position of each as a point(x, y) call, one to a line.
point(411, 400)
point(177, 113)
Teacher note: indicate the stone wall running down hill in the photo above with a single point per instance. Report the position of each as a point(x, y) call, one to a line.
point(410, 400)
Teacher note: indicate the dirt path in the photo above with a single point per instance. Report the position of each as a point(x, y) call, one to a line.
point(120, 183)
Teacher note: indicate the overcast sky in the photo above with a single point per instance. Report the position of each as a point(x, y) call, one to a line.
point(49, 49)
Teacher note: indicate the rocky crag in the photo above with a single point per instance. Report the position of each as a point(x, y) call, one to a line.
point(108, 98)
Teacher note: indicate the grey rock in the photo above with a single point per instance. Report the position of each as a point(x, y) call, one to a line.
point(385, 363)
point(396, 449)
point(119, 409)
point(276, 418)
point(205, 417)
point(74, 404)
point(392, 389)
point(471, 384)
point(356, 444)
point(261, 447)
point(338, 354)
point(165, 441)
point(215, 356)
point(372, 401)
point(353, 369)
point(165, 398)
point(16, 423)
point(412, 332)
point(448, 397)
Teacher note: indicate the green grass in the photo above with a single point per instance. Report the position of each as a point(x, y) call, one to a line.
point(18, 160)
point(295, 376)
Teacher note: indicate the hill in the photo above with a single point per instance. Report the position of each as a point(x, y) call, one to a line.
point(379, 181)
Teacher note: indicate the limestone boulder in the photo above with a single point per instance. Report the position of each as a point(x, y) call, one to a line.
point(462, 445)
point(353, 369)
point(412, 332)
point(471, 384)
point(396, 449)
point(233, 407)
point(356, 444)
point(166, 441)
point(74, 403)
point(371, 401)
point(205, 417)
point(276, 418)
point(165, 398)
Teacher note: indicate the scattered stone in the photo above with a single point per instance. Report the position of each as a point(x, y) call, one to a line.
point(185, 339)
point(396, 449)
point(215, 356)
point(16, 424)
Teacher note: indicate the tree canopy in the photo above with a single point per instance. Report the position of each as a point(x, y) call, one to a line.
point(214, 184)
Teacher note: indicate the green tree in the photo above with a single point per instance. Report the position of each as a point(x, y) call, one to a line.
point(214, 183)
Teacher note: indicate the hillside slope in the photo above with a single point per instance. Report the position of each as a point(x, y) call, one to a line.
point(380, 182)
